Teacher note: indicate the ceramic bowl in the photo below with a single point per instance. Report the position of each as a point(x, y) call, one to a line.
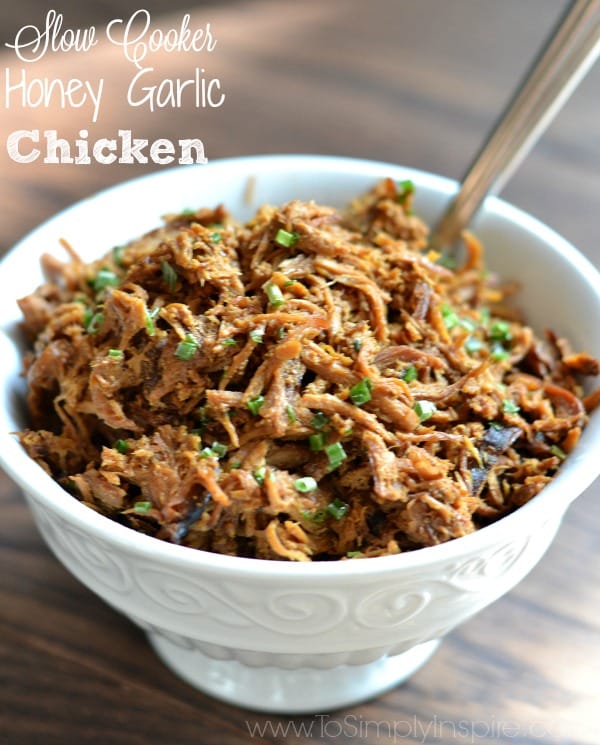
point(279, 636)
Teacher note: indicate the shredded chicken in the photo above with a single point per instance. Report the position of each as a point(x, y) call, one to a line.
point(312, 385)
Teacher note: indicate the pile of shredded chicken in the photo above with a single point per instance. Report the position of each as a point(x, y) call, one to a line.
point(312, 385)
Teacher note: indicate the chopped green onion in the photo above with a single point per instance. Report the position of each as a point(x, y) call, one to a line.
point(115, 354)
point(305, 484)
point(93, 324)
point(150, 316)
point(104, 278)
point(229, 342)
point(357, 344)
point(316, 441)
point(235, 465)
point(121, 446)
point(484, 316)
point(406, 187)
point(257, 336)
point(509, 406)
point(318, 516)
point(335, 454)
point(473, 344)
point(447, 260)
point(215, 237)
point(354, 554)
point(285, 238)
point(409, 374)
point(337, 509)
point(361, 392)
point(289, 282)
point(187, 348)
point(496, 425)
point(142, 507)
point(497, 352)
point(255, 403)
point(559, 452)
point(274, 295)
point(449, 316)
point(500, 331)
point(468, 324)
point(259, 475)
point(117, 254)
point(219, 449)
point(203, 419)
point(424, 409)
point(319, 420)
point(291, 414)
point(188, 211)
point(281, 332)
point(216, 450)
point(169, 274)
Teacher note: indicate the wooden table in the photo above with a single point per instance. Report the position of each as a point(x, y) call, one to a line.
point(411, 81)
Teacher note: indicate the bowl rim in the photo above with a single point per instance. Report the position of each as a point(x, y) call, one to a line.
point(549, 504)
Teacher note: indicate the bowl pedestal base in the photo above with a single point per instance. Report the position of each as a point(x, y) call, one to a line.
point(299, 691)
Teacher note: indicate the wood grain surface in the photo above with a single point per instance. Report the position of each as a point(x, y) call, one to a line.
point(417, 82)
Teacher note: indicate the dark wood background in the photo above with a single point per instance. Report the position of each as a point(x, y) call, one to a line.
point(417, 82)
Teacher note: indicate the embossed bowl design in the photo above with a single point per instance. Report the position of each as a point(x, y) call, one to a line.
point(279, 636)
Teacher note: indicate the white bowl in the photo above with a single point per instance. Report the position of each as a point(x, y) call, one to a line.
point(280, 636)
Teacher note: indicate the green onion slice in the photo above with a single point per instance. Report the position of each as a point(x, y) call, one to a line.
point(118, 254)
point(150, 316)
point(169, 274)
point(424, 409)
point(216, 450)
point(187, 348)
point(497, 352)
point(105, 278)
point(335, 454)
point(361, 392)
point(121, 446)
point(509, 406)
point(260, 474)
point(473, 344)
point(319, 420)
point(500, 331)
point(338, 509)
point(305, 484)
point(450, 318)
point(255, 403)
point(316, 441)
point(93, 322)
point(274, 295)
point(409, 374)
point(405, 187)
point(285, 238)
